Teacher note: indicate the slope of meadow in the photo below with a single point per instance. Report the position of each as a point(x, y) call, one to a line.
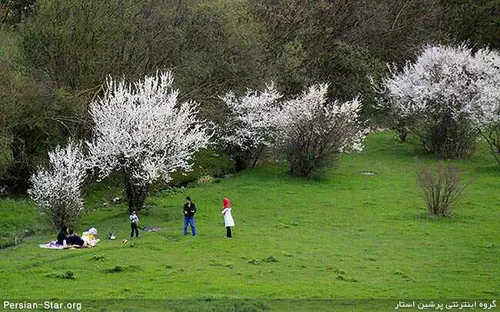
point(340, 236)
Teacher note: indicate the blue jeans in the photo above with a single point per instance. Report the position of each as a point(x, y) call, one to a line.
point(189, 221)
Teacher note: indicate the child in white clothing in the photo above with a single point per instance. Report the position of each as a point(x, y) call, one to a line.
point(228, 218)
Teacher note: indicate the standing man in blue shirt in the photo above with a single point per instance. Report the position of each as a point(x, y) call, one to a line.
point(189, 211)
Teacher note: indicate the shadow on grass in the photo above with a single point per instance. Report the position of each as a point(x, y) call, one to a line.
point(493, 170)
point(198, 305)
point(223, 304)
point(420, 215)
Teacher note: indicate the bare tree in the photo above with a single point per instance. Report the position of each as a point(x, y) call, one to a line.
point(441, 190)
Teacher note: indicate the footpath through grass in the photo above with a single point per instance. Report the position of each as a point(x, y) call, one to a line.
point(341, 236)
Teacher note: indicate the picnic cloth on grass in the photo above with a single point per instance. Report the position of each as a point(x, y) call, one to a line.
point(55, 245)
point(52, 245)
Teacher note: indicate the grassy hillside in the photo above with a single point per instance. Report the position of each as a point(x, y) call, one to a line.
point(340, 236)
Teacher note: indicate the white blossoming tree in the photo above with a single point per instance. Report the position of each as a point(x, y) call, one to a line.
point(484, 112)
point(57, 191)
point(252, 126)
point(451, 93)
point(142, 131)
point(315, 131)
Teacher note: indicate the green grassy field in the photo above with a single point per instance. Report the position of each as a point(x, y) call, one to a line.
point(307, 243)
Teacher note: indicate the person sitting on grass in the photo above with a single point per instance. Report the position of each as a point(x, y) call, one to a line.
point(62, 235)
point(74, 240)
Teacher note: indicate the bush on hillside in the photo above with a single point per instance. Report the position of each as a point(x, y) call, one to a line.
point(441, 189)
point(315, 131)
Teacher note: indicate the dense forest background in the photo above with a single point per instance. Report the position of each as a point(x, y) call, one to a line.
point(55, 55)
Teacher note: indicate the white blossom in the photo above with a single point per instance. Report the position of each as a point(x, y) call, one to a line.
point(326, 119)
point(140, 128)
point(57, 190)
point(254, 118)
point(314, 131)
point(453, 80)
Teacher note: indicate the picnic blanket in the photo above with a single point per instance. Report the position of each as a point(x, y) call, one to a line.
point(52, 245)
point(55, 245)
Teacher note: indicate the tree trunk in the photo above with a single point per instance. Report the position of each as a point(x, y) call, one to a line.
point(257, 156)
point(402, 134)
point(136, 192)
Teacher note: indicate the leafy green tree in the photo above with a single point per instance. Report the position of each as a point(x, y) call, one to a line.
point(342, 42)
point(34, 116)
point(211, 47)
point(474, 21)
